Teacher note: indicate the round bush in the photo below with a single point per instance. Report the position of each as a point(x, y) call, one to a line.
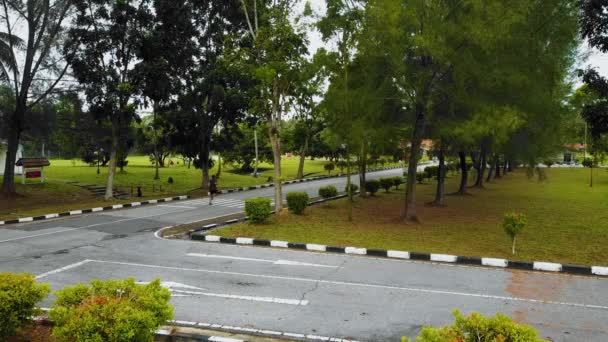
point(372, 186)
point(420, 177)
point(353, 188)
point(328, 191)
point(258, 209)
point(19, 294)
point(397, 181)
point(386, 183)
point(297, 202)
point(111, 310)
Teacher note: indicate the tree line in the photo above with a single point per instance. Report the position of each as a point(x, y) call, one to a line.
point(490, 83)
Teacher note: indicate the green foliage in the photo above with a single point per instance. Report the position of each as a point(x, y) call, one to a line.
point(19, 294)
point(478, 328)
point(353, 188)
point(514, 224)
point(387, 183)
point(328, 191)
point(549, 162)
point(258, 209)
point(329, 167)
point(431, 171)
point(297, 202)
point(588, 162)
point(372, 186)
point(420, 177)
point(111, 310)
point(397, 181)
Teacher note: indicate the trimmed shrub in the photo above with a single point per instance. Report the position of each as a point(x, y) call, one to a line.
point(341, 165)
point(297, 202)
point(19, 294)
point(549, 163)
point(353, 188)
point(328, 191)
point(170, 180)
point(420, 177)
point(397, 181)
point(587, 162)
point(258, 209)
point(431, 171)
point(329, 167)
point(513, 224)
point(479, 328)
point(111, 310)
point(372, 186)
point(386, 183)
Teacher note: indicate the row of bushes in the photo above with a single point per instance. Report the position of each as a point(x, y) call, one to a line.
point(112, 310)
point(259, 209)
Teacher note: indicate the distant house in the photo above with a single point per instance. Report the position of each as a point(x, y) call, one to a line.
point(3, 148)
point(571, 153)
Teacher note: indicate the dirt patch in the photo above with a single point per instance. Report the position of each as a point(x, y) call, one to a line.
point(538, 286)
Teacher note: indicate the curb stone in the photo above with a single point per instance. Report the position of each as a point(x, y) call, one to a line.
point(93, 210)
point(539, 266)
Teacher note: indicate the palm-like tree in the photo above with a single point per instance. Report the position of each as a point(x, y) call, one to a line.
point(8, 63)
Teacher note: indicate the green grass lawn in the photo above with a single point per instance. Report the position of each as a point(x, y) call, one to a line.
point(568, 221)
point(57, 195)
point(140, 172)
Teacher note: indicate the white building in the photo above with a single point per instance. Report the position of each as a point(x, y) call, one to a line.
point(3, 148)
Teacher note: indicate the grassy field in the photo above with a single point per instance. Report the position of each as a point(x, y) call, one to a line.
point(568, 221)
point(57, 195)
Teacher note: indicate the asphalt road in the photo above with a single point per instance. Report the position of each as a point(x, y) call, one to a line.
point(329, 295)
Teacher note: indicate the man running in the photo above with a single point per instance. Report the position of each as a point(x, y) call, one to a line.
point(212, 188)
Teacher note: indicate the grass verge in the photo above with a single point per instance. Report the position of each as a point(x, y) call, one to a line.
point(567, 220)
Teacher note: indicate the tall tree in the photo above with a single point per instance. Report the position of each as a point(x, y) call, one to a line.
point(41, 70)
point(108, 34)
point(277, 49)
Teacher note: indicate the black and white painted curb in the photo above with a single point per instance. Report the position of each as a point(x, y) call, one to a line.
point(403, 255)
point(93, 210)
point(270, 185)
point(259, 332)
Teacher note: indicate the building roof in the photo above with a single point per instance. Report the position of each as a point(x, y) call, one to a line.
point(33, 162)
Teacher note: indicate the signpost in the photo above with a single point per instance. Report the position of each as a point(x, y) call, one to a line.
point(33, 168)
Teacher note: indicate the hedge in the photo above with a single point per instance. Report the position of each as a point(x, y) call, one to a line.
point(19, 294)
point(297, 202)
point(328, 191)
point(372, 186)
point(258, 209)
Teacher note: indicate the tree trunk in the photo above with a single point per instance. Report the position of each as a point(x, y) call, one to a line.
point(363, 169)
point(113, 159)
point(491, 172)
point(510, 166)
point(505, 167)
point(156, 156)
point(8, 183)
point(349, 190)
point(275, 141)
point(481, 169)
point(410, 190)
point(303, 151)
point(440, 192)
point(204, 158)
point(464, 174)
point(497, 167)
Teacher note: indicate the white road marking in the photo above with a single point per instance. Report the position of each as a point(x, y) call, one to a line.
point(276, 262)
point(80, 228)
point(65, 268)
point(171, 285)
point(176, 206)
point(247, 298)
point(365, 285)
